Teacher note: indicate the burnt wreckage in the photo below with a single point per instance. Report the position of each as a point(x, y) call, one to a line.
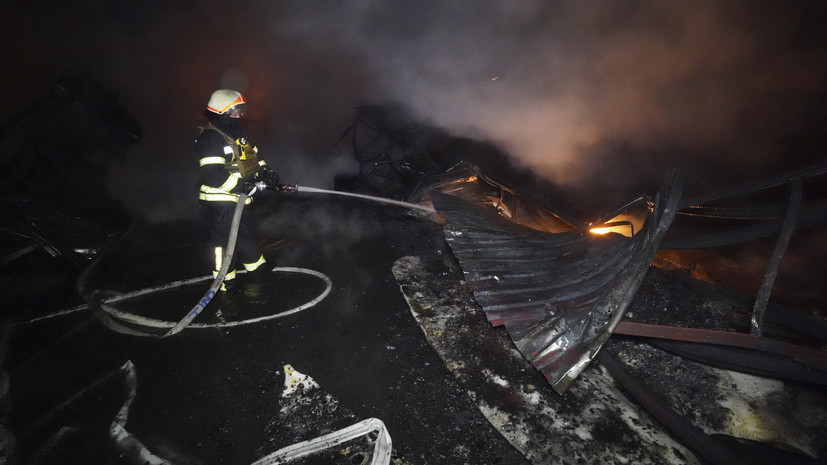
point(561, 289)
point(613, 336)
point(56, 214)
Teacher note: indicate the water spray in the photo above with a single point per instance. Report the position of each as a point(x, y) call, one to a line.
point(314, 190)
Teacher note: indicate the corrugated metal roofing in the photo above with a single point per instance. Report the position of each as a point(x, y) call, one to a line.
point(559, 295)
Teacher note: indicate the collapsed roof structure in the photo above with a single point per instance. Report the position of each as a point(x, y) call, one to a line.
point(559, 295)
point(561, 288)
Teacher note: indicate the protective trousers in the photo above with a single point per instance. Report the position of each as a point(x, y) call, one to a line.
point(219, 217)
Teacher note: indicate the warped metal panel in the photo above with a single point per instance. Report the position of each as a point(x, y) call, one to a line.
point(559, 295)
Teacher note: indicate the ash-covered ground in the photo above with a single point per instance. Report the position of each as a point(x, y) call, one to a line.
point(213, 395)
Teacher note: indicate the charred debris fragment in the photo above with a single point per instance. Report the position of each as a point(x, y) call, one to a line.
point(56, 212)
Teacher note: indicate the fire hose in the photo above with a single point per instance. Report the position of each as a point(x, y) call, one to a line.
point(297, 188)
point(219, 278)
point(228, 253)
point(128, 323)
point(114, 319)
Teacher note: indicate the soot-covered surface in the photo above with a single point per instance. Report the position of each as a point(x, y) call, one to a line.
point(596, 421)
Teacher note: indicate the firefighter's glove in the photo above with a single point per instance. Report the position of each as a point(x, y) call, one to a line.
point(269, 177)
point(252, 186)
point(288, 188)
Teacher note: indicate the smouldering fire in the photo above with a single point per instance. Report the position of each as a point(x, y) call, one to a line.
point(626, 224)
point(602, 230)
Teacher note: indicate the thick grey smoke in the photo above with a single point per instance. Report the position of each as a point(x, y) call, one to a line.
point(597, 92)
point(604, 94)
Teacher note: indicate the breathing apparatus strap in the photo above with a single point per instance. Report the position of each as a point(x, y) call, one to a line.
point(245, 160)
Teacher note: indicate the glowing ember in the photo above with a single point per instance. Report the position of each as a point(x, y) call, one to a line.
point(602, 230)
point(627, 224)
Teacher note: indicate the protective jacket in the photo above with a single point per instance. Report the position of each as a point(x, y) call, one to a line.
point(226, 157)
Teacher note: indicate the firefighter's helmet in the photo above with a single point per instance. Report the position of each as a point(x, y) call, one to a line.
point(227, 102)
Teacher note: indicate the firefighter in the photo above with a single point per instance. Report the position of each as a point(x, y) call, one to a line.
point(229, 165)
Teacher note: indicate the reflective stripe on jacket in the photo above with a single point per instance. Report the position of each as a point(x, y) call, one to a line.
point(223, 192)
point(215, 154)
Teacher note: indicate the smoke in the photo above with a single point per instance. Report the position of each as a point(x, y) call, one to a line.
point(600, 94)
point(606, 93)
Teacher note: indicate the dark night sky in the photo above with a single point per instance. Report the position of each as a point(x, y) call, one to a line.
point(605, 94)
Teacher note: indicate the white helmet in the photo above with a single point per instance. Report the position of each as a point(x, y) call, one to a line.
point(227, 101)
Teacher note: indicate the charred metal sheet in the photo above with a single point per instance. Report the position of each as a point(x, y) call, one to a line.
point(466, 181)
point(750, 211)
point(757, 355)
point(811, 214)
point(813, 358)
point(775, 260)
point(749, 361)
point(781, 179)
point(558, 295)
